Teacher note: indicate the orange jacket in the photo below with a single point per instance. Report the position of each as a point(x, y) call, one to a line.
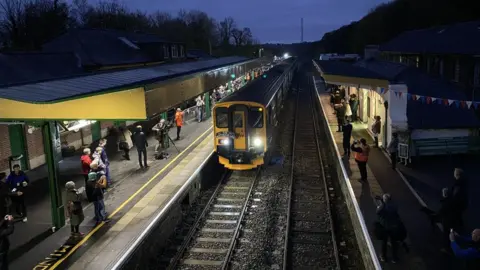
point(363, 156)
point(179, 119)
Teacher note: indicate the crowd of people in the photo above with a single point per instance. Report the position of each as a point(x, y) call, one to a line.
point(389, 228)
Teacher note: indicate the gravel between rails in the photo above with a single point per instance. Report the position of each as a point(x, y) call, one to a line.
point(204, 256)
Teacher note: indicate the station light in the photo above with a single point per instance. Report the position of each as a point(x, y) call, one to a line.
point(264, 76)
point(233, 76)
point(286, 55)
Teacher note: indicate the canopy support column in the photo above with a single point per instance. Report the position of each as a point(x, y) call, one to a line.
point(53, 154)
point(208, 111)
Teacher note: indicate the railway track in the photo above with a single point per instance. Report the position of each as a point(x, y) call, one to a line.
point(310, 238)
point(211, 239)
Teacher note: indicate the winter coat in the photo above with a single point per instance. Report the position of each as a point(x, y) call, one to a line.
point(73, 200)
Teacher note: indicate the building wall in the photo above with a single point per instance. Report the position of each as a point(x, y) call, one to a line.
point(35, 148)
point(4, 147)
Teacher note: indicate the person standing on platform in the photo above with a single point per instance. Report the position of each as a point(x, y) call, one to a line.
point(141, 143)
point(459, 195)
point(125, 142)
point(348, 110)
point(376, 129)
point(199, 108)
point(104, 157)
point(179, 122)
point(393, 150)
point(86, 160)
point(390, 220)
point(362, 151)
point(74, 208)
point(5, 196)
point(17, 181)
point(354, 106)
point(6, 229)
point(340, 109)
point(347, 135)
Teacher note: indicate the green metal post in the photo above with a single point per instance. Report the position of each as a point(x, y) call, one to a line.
point(230, 87)
point(53, 154)
point(166, 141)
point(244, 81)
point(253, 75)
point(208, 111)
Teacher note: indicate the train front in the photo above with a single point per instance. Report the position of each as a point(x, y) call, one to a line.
point(240, 134)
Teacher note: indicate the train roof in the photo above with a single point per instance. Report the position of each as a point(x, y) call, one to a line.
point(260, 90)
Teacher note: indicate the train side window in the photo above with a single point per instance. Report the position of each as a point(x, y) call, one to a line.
point(221, 117)
point(237, 120)
point(255, 117)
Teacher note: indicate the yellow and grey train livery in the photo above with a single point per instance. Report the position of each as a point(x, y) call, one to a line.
point(244, 121)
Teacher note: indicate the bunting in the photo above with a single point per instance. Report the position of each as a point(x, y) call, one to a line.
point(459, 104)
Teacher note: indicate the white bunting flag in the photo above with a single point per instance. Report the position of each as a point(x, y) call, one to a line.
point(450, 101)
point(469, 104)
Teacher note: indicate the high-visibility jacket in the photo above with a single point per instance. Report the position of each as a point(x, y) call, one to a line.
point(363, 156)
point(179, 119)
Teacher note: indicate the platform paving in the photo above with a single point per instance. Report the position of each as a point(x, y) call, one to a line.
point(424, 242)
point(121, 235)
point(29, 246)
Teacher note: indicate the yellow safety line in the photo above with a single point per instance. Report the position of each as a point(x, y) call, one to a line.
point(92, 232)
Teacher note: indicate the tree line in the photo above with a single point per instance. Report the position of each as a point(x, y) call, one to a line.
point(388, 20)
point(27, 24)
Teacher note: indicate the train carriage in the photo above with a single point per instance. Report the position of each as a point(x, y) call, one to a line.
point(244, 121)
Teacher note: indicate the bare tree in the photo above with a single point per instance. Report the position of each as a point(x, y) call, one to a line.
point(12, 24)
point(225, 29)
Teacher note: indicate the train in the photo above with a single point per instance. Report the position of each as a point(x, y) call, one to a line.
point(243, 122)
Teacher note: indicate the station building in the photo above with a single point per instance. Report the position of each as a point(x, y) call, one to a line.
point(84, 63)
point(423, 84)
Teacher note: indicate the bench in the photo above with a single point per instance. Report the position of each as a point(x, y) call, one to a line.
point(444, 146)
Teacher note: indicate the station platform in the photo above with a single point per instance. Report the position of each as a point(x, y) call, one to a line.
point(424, 242)
point(136, 195)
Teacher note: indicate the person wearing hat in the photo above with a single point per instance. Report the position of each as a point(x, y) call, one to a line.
point(141, 143)
point(179, 122)
point(74, 208)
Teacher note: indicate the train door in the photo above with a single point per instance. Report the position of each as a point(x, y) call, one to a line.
point(238, 125)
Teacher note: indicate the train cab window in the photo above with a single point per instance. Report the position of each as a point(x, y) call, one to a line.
point(255, 117)
point(237, 120)
point(221, 117)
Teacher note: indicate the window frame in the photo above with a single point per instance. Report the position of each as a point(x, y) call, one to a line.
point(218, 112)
point(174, 51)
point(257, 110)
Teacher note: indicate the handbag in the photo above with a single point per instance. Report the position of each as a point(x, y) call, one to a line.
point(102, 182)
point(123, 145)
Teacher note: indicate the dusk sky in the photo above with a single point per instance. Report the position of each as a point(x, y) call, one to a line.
point(273, 20)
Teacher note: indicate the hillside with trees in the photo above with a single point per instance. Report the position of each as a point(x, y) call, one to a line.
point(386, 21)
point(27, 24)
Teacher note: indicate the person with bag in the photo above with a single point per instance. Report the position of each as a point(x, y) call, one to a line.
point(125, 142)
point(95, 194)
point(74, 208)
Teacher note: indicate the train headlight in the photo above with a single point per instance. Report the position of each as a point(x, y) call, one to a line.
point(257, 142)
point(225, 141)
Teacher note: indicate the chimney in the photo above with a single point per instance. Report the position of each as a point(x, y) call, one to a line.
point(371, 52)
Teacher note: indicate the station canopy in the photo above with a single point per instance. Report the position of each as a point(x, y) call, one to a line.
point(343, 73)
point(118, 95)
